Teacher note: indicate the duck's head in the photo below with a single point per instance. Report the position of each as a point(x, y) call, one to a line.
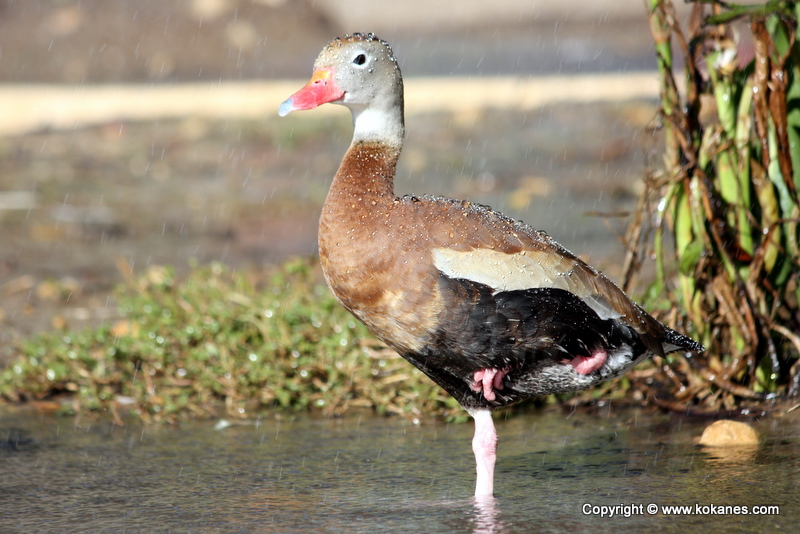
point(358, 71)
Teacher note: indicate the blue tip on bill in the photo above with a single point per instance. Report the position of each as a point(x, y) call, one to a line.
point(286, 107)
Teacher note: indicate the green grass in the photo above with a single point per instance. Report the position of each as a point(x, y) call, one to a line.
point(219, 343)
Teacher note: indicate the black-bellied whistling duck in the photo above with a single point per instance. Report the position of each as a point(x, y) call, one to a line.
point(492, 310)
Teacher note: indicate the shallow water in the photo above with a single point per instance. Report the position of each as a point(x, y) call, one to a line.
point(373, 474)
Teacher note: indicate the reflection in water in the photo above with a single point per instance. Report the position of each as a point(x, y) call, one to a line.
point(486, 520)
point(741, 454)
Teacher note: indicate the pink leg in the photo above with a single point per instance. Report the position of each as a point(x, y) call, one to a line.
point(484, 445)
point(585, 365)
point(487, 380)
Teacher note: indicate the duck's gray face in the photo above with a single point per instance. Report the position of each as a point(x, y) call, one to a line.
point(357, 71)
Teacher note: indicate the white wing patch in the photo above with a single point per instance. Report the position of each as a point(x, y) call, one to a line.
point(498, 270)
point(513, 272)
point(601, 307)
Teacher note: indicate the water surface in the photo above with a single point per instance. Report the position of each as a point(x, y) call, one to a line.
point(373, 474)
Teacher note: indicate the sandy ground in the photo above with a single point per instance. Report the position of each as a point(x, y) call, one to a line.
point(27, 109)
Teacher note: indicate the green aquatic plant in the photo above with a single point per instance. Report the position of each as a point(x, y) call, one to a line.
point(724, 202)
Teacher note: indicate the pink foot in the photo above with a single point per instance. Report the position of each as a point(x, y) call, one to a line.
point(585, 365)
point(487, 380)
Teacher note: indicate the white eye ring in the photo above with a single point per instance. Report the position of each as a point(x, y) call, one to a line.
point(360, 60)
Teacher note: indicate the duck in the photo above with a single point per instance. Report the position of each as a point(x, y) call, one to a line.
point(490, 309)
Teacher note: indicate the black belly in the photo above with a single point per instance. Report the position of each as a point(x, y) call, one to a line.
point(523, 331)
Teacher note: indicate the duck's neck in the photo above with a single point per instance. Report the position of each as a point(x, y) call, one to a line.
point(362, 193)
point(379, 124)
point(365, 176)
point(364, 182)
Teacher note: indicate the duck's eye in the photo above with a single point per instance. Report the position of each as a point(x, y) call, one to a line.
point(360, 59)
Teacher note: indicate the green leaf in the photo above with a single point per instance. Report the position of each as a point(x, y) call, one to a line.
point(690, 258)
point(780, 36)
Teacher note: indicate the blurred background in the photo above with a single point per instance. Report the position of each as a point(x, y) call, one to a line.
point(113, 41)
point(142, 133)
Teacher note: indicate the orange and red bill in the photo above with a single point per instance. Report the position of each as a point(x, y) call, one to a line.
point(319, 90)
